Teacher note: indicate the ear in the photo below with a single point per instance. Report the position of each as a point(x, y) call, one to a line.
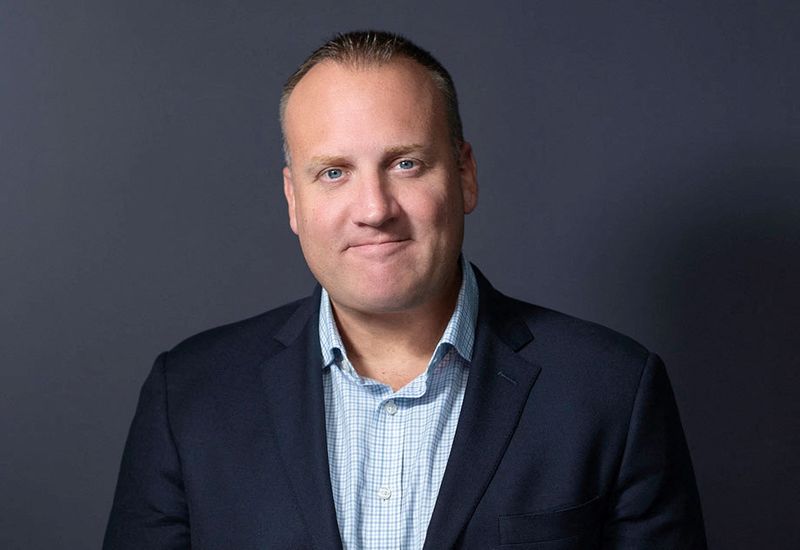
point(288, 191)
point(468, 171)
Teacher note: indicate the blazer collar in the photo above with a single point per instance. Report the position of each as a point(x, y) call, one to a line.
point(293, 383)
point(499, 382)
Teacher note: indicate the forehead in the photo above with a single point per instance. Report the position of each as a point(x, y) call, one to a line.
point(398, 96)
point(339, 80)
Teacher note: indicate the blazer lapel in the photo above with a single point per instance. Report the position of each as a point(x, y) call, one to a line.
point(497, 390)
point(293, 383)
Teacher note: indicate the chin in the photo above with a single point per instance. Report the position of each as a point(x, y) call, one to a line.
point(383, 304)
point(374, 302)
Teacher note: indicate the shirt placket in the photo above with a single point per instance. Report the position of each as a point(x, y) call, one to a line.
point(388, 492)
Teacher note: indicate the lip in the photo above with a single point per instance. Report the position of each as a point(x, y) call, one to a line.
point(379, 248)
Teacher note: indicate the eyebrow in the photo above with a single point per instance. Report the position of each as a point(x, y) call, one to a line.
point(404, 149)
point(323, 160)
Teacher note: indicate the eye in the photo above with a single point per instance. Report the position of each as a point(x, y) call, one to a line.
point(333, 173)
point(406, 164)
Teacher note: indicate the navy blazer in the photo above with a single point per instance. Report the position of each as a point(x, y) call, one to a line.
point(569, 438)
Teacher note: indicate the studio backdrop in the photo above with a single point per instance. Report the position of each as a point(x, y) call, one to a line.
point(639, 166)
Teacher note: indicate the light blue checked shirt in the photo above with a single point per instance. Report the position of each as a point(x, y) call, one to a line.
point(387, 450)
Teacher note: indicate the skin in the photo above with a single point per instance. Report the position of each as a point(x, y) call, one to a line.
point(377, 196)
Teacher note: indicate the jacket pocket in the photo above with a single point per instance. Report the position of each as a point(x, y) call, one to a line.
point(551, 525)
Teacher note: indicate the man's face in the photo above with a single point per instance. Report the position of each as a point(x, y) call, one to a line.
point(375, 191)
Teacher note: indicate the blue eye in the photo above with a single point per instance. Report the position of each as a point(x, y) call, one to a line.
point(333, 173)
point(406, 164)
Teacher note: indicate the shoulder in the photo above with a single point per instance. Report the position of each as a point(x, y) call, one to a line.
point(573, 336)
point(553, 331)
point(584, 367)
point(243, 342)
point(567, 349)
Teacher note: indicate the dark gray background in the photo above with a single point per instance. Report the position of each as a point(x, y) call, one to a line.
point(639, 164)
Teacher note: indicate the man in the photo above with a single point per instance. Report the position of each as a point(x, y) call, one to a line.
point(407, 403)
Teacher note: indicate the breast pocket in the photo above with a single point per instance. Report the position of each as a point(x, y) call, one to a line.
point(574, 522)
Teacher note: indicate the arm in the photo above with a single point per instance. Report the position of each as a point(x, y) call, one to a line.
point(655, 504)
point(149, 508)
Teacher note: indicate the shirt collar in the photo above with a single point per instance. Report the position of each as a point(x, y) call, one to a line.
point(459, 333)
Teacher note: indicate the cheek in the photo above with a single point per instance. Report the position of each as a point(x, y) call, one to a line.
point(318, 228)
point(440, 212)
point(426, 207)
point(306, 215)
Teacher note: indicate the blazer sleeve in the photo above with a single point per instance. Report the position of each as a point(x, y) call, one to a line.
point(149, 509)
point(656, 504)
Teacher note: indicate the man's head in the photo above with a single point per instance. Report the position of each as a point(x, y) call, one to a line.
point(374, 189)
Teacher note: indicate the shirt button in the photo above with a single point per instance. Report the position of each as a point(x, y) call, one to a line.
point(391, 407)
point(384, 493)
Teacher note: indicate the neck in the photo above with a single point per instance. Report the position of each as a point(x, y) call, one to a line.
point(394, 348)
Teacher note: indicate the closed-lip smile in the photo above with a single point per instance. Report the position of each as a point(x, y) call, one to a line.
point(376, 242)
point(378, 246)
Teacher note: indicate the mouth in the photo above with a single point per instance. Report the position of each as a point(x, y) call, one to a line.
point(384, 247)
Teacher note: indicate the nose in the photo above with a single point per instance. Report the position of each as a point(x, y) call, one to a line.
point(375, 204)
